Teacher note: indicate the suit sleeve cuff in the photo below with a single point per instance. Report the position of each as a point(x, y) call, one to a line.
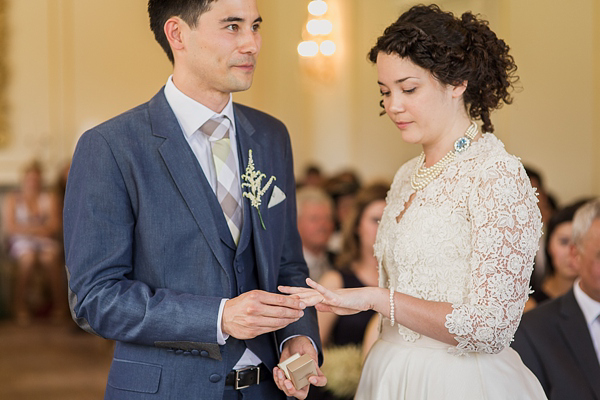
point(221, 337)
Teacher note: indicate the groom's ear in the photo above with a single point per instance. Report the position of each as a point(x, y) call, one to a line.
point(174, 31)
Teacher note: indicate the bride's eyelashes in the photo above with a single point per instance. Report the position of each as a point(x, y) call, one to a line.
point(406, 91)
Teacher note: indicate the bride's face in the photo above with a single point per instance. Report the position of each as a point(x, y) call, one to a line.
point(418, 104)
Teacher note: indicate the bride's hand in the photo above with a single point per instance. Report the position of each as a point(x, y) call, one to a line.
point(341, 301)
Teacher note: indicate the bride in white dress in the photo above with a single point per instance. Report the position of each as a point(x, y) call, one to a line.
point(461, 227)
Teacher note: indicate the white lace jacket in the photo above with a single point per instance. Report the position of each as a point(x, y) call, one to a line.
point(469, 238)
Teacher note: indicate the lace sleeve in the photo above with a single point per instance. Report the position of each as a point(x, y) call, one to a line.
point(506, 227)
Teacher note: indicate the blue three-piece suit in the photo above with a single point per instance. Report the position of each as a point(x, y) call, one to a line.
point(150, 255)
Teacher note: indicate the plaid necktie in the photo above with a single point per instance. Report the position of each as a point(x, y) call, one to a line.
point(229, 192)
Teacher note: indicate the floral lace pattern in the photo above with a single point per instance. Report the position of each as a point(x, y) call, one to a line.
point(469, 238)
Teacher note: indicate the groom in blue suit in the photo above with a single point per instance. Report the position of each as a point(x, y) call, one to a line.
point(167, 252)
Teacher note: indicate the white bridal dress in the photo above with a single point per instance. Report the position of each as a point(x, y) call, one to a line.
point(469, 239)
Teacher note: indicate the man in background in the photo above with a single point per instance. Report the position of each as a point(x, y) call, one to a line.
point(560, 340)
point(315, 225)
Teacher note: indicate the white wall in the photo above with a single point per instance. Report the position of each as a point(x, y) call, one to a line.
point(86, 61)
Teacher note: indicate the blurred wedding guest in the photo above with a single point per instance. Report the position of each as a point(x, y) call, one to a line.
point(560, 269)
point(315, 225)
point(32, 224)
point(356, 266)
point(546, 201)
point(312, 177)
point(342, 188)
point(560, 340)
point(547, 207)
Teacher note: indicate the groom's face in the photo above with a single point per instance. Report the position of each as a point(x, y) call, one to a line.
point(222, 49)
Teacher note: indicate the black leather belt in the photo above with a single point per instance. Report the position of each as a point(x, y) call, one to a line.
point(242, 378)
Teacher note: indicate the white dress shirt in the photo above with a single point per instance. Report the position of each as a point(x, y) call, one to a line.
point(191, 115)
point(317, 264)
point(591, 312)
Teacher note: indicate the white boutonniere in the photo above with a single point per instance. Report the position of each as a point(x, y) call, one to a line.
point(253, 179)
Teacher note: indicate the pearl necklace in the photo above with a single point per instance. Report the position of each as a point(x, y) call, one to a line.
point(423, 176)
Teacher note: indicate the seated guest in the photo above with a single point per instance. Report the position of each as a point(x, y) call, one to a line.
point(342, 188)
point(315, 225)
point(356, 267)
point(546, 201)
point(547, 206)
point(560, 340)
point(560, 271)
point(312, 177)
point(32, 224)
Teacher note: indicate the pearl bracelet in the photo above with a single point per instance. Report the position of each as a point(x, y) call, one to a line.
point(392, 314)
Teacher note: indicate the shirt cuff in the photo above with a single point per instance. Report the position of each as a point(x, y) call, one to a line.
point(291, 337)
point(221, 337)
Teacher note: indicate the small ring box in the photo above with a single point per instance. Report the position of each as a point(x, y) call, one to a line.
point(298, 369)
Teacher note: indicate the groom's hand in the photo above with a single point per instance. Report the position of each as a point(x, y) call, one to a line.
point(256, 312)
point(301, 345)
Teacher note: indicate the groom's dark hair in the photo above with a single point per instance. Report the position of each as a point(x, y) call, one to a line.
point(161, 10)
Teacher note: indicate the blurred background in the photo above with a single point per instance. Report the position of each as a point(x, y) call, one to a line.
point(67, 65)
point(73, 64)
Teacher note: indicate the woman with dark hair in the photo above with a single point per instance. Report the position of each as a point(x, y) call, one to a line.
point(356, 266)
point(461, 226)
point(560, 270)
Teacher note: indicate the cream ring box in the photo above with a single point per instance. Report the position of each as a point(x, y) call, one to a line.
point(298, 369)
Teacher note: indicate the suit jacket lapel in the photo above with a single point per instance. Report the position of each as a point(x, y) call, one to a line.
point(187, 174)
point(579, 341)
point(248, 139)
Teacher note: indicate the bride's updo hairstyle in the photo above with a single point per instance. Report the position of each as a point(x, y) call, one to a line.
point(454, 50)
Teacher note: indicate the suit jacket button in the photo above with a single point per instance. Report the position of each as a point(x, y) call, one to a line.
point(179, 351)
point(187, 353)
point(214, 378)
point(204, 353)
point(195, 352)
point(239, 269)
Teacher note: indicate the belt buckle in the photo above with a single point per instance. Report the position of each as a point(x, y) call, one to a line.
point(236, 385)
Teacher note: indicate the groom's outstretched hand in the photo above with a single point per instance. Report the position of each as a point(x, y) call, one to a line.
point(256, 312)
point(301, 345)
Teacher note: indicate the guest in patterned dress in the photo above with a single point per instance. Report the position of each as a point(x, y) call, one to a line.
point(32, 224)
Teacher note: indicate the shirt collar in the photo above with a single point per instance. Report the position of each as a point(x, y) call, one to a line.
point(314, 258)
point(191, 114)
point(589, 306)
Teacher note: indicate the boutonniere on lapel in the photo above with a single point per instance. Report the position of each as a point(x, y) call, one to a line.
point(253, 179)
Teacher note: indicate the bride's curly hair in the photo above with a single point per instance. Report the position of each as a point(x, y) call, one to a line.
point(454, 50)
